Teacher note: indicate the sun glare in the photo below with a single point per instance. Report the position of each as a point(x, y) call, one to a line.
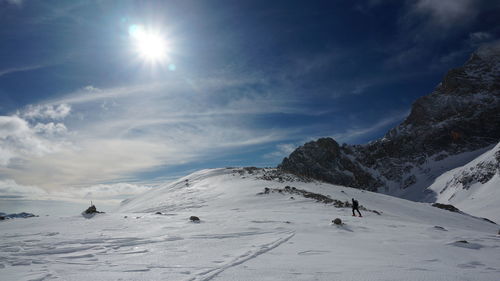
point(150, 45)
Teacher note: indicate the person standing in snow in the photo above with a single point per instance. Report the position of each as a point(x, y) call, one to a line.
point(355, 206)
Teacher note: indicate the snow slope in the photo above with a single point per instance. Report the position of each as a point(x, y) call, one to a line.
point(474, 187)
point(244, 235)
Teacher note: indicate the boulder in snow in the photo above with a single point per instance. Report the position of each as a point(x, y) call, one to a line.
point(448, 207)
point(90, 212)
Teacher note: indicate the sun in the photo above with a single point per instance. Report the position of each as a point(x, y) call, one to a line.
point(150, 45)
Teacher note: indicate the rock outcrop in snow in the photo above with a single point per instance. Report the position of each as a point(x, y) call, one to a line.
point(4, 216)
point(448, 128)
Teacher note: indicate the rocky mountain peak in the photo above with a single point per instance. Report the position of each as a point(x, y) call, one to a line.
point(462, 115)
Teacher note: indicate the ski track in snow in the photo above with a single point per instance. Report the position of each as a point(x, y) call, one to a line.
point(101, 252)
point(210, 274)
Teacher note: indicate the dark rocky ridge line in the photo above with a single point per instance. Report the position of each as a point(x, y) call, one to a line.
point(24, 215)
point(451, 208)
point(316, 196)
point(461, 115)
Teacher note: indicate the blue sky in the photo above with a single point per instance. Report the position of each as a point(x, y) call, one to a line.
point(84, 115)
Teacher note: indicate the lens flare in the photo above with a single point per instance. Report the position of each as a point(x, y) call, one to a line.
point(150, 45)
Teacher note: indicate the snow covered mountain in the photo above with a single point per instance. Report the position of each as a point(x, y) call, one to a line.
point(474, 187)
point(256, 224)
point(446, 129)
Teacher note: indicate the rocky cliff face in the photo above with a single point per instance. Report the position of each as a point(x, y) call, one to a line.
point(325, 160)
point(458, 121)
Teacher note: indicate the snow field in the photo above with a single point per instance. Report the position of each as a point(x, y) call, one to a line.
point(245, 236)
point(480, 199)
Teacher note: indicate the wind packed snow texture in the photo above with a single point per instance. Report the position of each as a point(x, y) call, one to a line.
point(473, 188)
point(245, 236)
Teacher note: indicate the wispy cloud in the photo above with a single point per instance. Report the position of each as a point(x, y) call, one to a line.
point(357, 132)
point(11, 189)
point(426, 26)
point(45, 111)
point(14, 2)
point(108, 135)
point(479, 37)
point(282, 150)
point(102, 193)
point(447, 13)
point(20, 69)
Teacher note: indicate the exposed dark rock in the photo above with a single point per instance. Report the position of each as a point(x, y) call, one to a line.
point(440, 228)
point(270, 174)
point(91, 212)
point(320, 198)
point(194, 219)
point(158, 213)
point(323, 160)
point(23, 215)
point(337, 221)
point(488, 220)
point(480, 173)
point(447, 207)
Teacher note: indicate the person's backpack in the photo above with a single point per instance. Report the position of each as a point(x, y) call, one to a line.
point(355, 203)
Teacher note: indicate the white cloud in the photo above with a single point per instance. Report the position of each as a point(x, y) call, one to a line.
point(19, 69)
point(115, 134)
point(106, 193)
point(91, 89)
point(282, 150)
point(489, 49)
point(50, 128)
point(19, 140)
point(480, 36)
point(11, 126)
point(357, 132)
point(11, 189)
point(14, 2)
point(46, 111)
point(115, 191)
point(94, 161)
point(16, 138)
point(447, 12)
